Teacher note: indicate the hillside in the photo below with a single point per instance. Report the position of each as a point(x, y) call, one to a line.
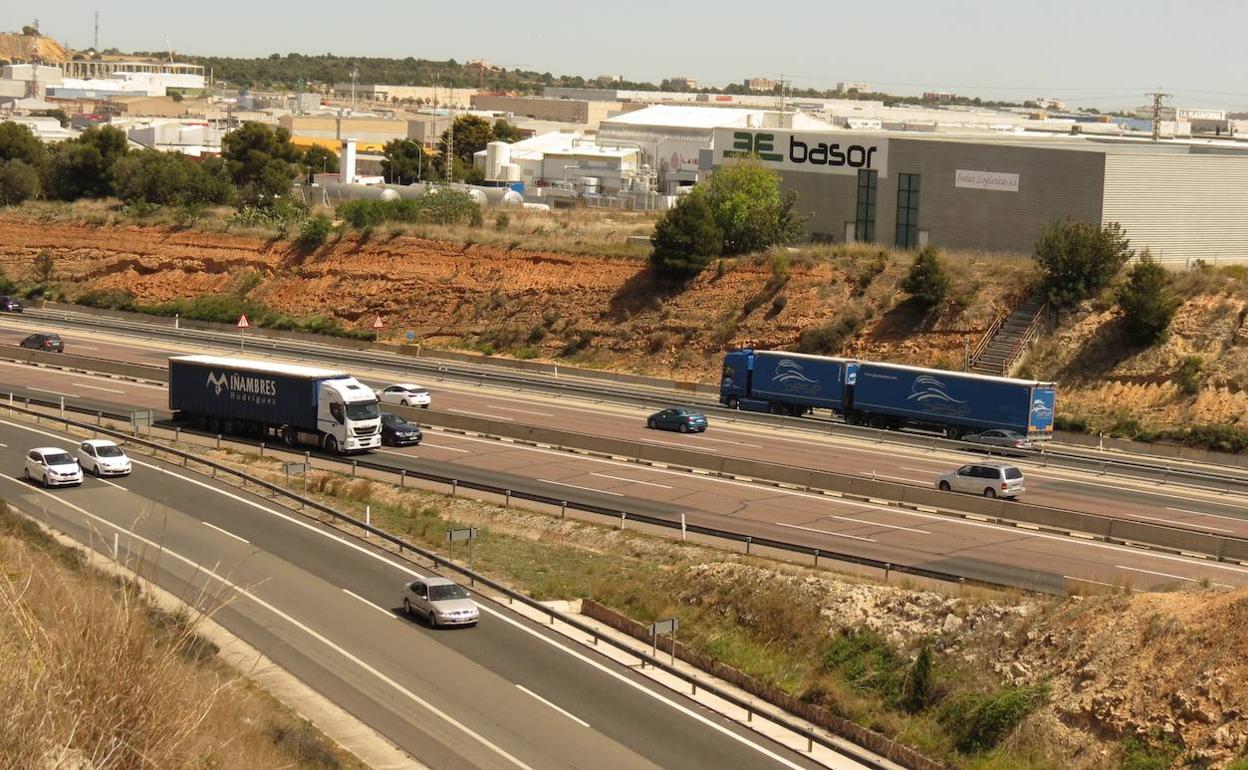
point(16, 47)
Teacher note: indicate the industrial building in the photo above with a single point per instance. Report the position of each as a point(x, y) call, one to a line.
point(1180, 200)
point(412, 95)
point(577, 111)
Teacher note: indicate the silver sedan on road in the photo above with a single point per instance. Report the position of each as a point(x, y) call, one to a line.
point(1007, 439)
point(440, 602)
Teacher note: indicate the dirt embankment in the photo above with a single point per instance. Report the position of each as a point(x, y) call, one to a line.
point(595, 310)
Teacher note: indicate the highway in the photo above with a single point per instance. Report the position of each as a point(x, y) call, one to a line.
point(506, 694)
point(977, 549)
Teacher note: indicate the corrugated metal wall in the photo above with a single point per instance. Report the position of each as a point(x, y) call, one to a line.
point(1180, 207)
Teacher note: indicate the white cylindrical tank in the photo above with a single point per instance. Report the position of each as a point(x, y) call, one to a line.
point(509, 172)
point(346, 162)
point(387, 194)
point(497, 154)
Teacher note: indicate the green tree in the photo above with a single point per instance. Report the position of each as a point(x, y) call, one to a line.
point(1080, 259)
point(18, 182)
point(687, 238)
point(405, 162)
point(151, 176)
point(17, 142)
point(208, 183)
point(109, 140)
point(261, 161)
point(319, 160)
point(917, 688)
point(472, 133)
point(82, 167)
point(1147, 303)
point(749, 208)
point(927, 281)
point(506, 132)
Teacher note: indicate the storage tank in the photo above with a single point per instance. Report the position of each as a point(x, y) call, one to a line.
point(589, 185)
point(497, 155)
point(389, 195)
point(509, 172)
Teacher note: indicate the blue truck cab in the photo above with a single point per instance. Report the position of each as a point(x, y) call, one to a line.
point(785, 383)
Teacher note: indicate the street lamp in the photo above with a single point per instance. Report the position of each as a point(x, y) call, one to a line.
point(355, 73)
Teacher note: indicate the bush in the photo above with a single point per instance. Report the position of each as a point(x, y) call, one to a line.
point(502, 222)
point(442, 207)
point(578, 343)
point(6, 286)
point(1079, 259)
point(927, 282)
point(918, 687)
point(43, 267)
point(864, 660)
point(1138, 754)
point(979, 721)
point(1147, 303)
point(110, 299)
point(749, 208)
point(686, 239)
point(314, 231)
point(831, 337)
point(1190, 377)
point(18, 182)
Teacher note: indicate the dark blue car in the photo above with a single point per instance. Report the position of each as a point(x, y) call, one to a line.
point(677, 418)
point(395, 431)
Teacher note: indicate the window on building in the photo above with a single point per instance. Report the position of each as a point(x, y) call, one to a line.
point(907, 211)
point(864, 227)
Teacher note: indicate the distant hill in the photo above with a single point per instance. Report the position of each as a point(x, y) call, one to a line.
point(22, 49)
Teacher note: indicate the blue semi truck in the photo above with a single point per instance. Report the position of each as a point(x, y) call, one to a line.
point(886, 395)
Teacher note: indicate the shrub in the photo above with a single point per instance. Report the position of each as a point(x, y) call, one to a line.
point(778, 304)
point(6, 286)
point(43, 267)
point(864, 660)
point(577, 343)
point(918, 688)
point(1190, 376)
point(979, 721)
point(1079, 259)
point(686, 239)
point(442, 207)
point(1138, 754)
point(502, 221)
point(832, 336)
point(749, 208)
point(314, 231)
point(1147, 303)
point(927, 281)
point(18, 182)
point(111, 299)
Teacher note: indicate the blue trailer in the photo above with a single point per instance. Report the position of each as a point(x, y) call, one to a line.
point(893, 396)
point(784, 383)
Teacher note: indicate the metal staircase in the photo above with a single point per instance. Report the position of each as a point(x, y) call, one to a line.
point(1004, 343)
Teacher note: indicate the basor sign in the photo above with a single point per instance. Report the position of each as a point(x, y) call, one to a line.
point(822, 152)
point(986, 180)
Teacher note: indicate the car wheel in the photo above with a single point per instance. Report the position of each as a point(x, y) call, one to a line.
point(684, 428)
point(944, 486)
point(433, 619)
point(424, 406)
point(26, 474)
point(650, 424)
point(990, 492)
point(331, 445)
point(43, 481)
point(407, 607)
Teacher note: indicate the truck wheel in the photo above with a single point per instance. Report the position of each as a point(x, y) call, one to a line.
point(288, 436)
point(953, 433)
point(331, 445)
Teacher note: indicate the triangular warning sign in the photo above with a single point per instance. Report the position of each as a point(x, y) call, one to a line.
point(377, 323)
point(243, 323)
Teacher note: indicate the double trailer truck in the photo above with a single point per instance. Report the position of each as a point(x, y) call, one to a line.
point(886, 395)
point(293, 404)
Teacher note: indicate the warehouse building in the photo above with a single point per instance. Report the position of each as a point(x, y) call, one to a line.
point(1181, 200)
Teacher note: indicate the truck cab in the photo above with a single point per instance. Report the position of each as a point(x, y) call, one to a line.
point(348, 416)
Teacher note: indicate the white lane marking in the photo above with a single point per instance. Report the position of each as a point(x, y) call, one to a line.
point(675, 443)
point(97, 387)
point(921, 470)
point(826, 532)
point(1239, 519)
point(577, 486)
point(630, 481)
point(1093, 582)
point(6, 446)
point(441, 446)
point(110, 483)
point(1174, 523)
point(520, 411)
point(500, 615)
point(726, 441)
point(55, 392)
point(566, 713)
point(481, 414)
point(225, 532)
point(881, 524)
point(1169, 575)
point(382, 610)
point(83, 347)
point(297, 624)
point(1124, 487)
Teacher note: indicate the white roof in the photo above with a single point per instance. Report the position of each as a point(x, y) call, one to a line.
point(684, 116)
point(262, 367)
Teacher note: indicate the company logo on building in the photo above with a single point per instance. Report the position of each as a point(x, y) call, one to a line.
point(824, 152)
point(245, 388)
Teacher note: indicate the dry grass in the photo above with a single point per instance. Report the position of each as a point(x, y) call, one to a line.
point(92, 676)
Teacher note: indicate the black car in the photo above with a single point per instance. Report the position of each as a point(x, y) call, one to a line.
point(51, 342)
point(10, 304)
point(395, 431)
point(677, 418)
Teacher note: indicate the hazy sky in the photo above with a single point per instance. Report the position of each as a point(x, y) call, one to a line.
point(1090, 52)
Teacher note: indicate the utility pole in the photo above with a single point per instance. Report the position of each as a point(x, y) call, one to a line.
point(96, 47)
point(450, 148)
point(355, 73)
point(1158, 96)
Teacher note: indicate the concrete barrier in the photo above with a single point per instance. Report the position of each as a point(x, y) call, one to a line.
point(87, 364)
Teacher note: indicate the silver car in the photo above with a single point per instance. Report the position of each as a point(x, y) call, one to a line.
point(987, 479)
point(440, 602)
point(1002, 438)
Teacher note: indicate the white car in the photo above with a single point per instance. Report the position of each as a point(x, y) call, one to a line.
point(440, 602)
point(987, 479)
point(405, 395)
point(52, 467)
point(103, 458)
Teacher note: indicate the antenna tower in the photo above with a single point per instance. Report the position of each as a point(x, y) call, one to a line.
point(96, 46)
point(1158, 97)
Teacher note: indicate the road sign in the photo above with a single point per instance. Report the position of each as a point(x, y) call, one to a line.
point(455, 535)
point(378, 324)
point(296, 468)
point(411, 336)
point(663, 627)
point(243, 323)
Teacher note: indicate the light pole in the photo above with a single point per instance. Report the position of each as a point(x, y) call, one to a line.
point(355, 73)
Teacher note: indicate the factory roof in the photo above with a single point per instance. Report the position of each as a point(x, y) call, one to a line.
point(689, 116)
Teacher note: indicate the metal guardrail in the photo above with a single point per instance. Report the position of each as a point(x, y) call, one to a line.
point(474, 578)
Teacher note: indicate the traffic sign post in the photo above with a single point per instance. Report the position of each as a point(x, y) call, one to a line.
point(453, 535)
point(243, 323)
point(377, 326)
point(668, 626)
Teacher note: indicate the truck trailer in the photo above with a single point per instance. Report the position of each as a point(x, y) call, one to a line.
point(294, 404)
point(886, 395)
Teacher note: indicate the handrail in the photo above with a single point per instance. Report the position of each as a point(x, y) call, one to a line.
point(1031, 333)
point(984, 341)
point(811, 736)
